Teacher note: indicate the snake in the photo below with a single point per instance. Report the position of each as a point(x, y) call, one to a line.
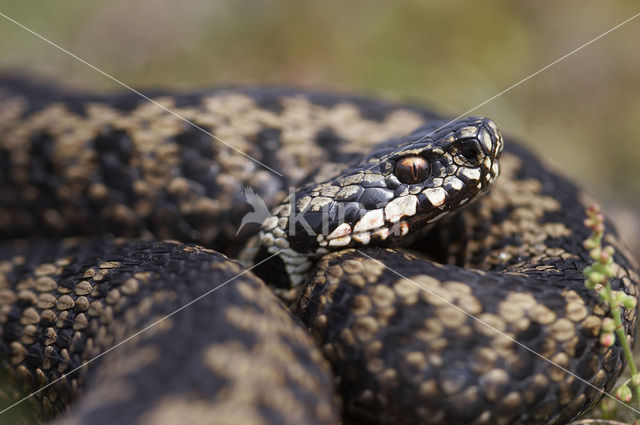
point(409, 269)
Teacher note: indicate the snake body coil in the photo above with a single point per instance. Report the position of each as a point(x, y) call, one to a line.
point(448, 329)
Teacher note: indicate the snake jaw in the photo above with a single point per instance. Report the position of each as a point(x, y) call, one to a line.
point(371, 203)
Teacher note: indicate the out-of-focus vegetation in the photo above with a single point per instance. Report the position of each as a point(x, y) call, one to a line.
point(583, 112)
point(453, 55)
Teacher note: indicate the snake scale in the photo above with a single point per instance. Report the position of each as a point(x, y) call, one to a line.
point(404, 273)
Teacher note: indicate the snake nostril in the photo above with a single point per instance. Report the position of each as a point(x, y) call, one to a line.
point(412, 169)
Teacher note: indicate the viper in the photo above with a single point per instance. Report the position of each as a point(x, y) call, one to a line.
point(411, 270)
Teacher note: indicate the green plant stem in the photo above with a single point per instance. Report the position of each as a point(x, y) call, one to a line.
point(622, 337)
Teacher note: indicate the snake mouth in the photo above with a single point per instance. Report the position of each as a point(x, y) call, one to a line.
point(344, 236)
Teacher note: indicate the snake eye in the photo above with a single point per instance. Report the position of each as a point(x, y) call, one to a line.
point(412, 169)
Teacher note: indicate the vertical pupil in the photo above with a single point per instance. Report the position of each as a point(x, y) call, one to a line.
point(412, 169)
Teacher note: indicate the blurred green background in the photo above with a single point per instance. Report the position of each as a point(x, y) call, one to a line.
point(583, 113)
point(453, 55)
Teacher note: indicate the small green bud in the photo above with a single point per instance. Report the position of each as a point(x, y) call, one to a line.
point(597, 277)
point(593, 209)
point(607, 339)
point(604, 257)
point(595, 253)
point(608, 269)
point(618, 297)
point(589, 284)
point(591, 224)
point(623, 393)
point(629, 301)
point(635, 380)
point(590, 243)
point(608, 325)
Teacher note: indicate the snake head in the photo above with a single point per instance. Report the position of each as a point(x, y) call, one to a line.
point(399, 188)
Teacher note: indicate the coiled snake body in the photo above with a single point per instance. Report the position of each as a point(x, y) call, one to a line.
point(417, 335)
